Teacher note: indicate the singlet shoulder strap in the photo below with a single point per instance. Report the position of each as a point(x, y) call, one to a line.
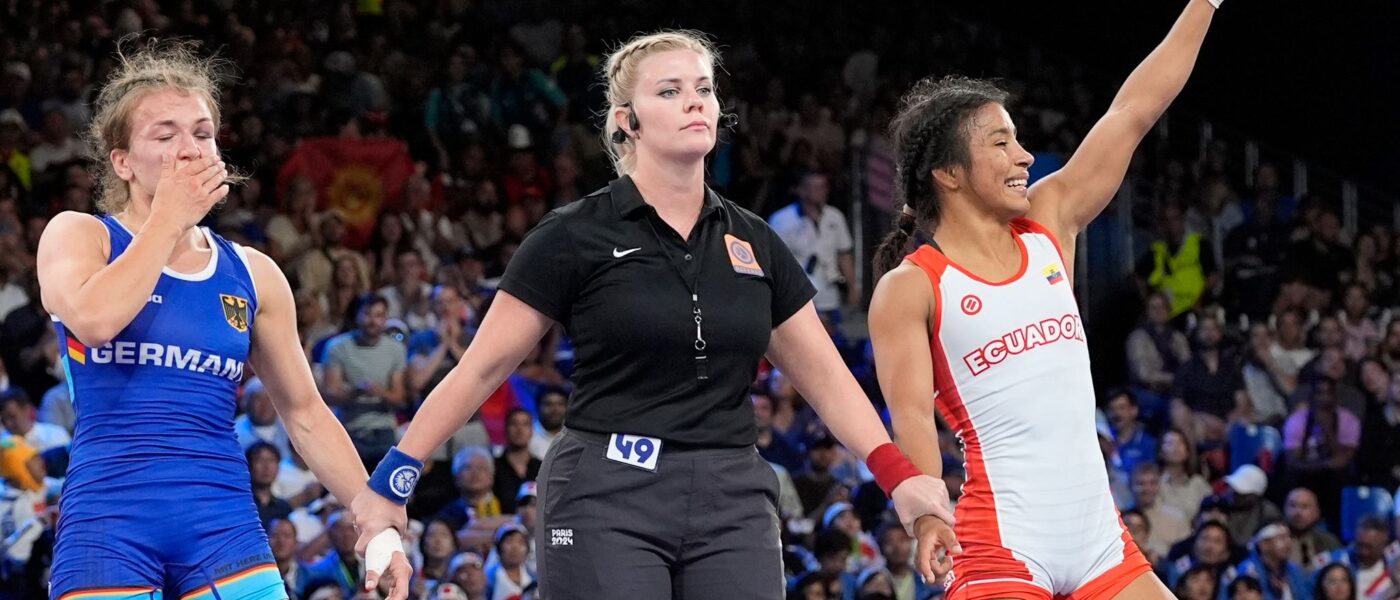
point(117, 234)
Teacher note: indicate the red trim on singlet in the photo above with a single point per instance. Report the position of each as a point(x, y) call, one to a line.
point(978, 529)
point(929, 253)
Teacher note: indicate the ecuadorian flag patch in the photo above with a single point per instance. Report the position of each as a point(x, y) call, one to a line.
point(1052, 274)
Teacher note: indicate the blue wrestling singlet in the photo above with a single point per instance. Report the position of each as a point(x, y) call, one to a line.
point(158, 498)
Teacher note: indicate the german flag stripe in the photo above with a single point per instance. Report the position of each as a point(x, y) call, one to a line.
point(77, 351)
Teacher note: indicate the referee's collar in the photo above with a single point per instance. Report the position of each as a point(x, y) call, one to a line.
point(627, 199)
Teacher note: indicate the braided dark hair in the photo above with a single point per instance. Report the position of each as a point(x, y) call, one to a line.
point(930, 132)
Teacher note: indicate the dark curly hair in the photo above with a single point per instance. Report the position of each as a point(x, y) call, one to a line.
point(930, 132)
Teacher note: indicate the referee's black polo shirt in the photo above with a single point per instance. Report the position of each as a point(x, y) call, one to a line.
point(596, 267)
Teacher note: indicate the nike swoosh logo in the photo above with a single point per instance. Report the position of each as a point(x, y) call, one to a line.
point(621, 253)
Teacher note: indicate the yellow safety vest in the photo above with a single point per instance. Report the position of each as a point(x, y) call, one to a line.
point(1179, 275)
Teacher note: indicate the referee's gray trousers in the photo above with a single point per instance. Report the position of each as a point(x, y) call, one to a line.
point(703, 526)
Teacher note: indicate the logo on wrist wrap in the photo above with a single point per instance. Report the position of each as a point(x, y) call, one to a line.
point(403, 480)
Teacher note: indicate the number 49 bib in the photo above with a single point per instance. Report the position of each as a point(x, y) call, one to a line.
point(634, 450)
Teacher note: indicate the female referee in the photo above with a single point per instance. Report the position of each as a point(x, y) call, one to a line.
point(672, 295)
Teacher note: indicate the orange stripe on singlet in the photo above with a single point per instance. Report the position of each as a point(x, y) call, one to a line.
point(106, 593)
point(234, 578)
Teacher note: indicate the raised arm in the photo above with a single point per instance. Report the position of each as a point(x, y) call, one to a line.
point(1067, 200)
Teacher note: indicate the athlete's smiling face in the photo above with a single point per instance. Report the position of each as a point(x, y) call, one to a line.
point(999, 167)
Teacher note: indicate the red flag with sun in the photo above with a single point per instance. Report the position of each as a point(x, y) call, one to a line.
point(357, 178)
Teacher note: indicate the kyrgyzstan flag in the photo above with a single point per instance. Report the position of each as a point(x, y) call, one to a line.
point(357, 178)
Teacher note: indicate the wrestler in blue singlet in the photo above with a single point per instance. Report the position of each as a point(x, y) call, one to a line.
point(157, 499)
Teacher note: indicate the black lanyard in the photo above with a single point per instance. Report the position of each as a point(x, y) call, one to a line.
point(702, 360)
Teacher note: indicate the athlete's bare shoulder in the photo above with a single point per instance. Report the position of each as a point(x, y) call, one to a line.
point(905, 292)
point(73, 230)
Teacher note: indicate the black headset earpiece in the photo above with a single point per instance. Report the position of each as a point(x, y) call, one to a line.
point(620, 136)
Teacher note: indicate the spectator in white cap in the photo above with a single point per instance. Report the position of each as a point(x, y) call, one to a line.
point(18, 70)
point(509, 577)
point(468, 573)
point(1269, 563)
point(1245, 504)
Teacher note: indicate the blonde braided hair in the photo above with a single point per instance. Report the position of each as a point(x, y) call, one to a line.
point(621, 70)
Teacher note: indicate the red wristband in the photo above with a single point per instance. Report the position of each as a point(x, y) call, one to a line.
point(890, 467)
